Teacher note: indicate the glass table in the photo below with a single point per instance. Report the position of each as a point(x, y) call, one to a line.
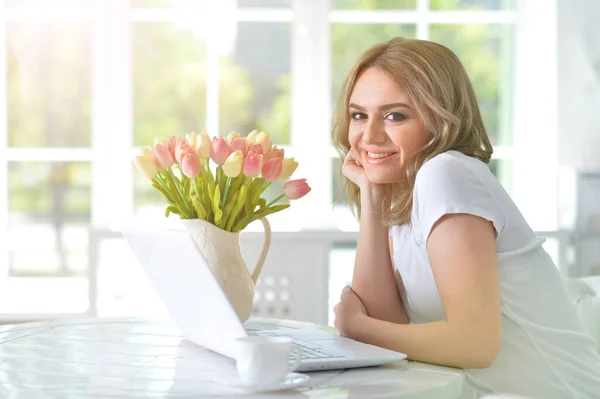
point(148, 358)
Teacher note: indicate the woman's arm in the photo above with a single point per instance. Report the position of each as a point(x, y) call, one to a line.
point(374, 280)
point(462, 254)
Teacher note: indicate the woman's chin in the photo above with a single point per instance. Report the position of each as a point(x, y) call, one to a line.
point(383, 178)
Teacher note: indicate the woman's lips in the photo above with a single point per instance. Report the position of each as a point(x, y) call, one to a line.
point(377, 157)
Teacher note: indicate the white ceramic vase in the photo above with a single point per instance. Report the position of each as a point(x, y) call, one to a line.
point(221, 249)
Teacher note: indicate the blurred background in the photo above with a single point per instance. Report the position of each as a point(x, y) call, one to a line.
point(83, 83)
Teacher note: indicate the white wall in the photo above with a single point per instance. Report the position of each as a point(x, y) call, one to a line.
point(578, 105)
point(578, 54)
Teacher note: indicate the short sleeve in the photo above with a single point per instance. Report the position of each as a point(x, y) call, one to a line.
point(446, 185)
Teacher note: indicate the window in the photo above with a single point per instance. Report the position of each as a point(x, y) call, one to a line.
point(48, 96)
point(45, 155)
point(82, 82)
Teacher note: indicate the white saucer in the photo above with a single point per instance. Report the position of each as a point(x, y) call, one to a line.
point(292, 380)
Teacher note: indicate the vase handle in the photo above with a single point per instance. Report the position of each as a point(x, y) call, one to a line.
point(263, 253)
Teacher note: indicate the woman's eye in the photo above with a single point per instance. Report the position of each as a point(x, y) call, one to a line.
point(358, 116)
point(395, 116)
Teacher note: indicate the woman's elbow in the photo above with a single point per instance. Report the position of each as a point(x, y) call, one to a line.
point(483, 360)
point(485, 352)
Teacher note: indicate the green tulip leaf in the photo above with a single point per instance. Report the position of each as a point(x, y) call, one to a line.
point(216, 200)
point(239, 205)
point(270, 210)
point(172, 209)
point(168, 196)
point(199, 208)
point(262, 203)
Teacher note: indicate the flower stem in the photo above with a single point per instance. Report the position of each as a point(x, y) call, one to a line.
point(275, 200)
point(195, 183)
point(164, 185)
point(265, 186)
point(177, 185)
point(227, 185)
point(210, 176)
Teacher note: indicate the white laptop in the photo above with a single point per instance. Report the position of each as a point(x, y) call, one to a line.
point(201, 311)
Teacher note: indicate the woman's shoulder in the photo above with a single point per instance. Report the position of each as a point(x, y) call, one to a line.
point(452, 183)
point(451, 170)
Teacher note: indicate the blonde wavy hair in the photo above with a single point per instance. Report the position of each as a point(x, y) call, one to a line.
point(440, 89)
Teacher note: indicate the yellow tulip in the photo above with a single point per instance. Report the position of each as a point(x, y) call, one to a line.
point(145, 163)
point(191, 138)
point(288, 168)
point(200, 142)
point(264, 140)
point(233, 165)
point(251, 137)
point(231, 136)
point(202, 148)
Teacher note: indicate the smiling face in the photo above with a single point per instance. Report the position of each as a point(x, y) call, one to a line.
point(385, 129)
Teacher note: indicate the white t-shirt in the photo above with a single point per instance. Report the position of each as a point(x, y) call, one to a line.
point(545, 351)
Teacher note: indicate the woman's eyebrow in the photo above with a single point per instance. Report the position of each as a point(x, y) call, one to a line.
point(352, 105)
point(382, 108)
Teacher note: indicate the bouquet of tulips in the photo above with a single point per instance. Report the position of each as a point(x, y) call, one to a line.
point(228, 195)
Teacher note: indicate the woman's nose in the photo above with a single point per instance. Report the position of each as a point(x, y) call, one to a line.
point(374, 132)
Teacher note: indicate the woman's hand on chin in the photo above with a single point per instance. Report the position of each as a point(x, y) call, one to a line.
point(355, 172)
point(353, 169)
point(348, 314)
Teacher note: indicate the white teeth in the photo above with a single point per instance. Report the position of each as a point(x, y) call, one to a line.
point(378, 154)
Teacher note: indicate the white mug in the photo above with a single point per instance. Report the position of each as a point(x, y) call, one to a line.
point(265, 360)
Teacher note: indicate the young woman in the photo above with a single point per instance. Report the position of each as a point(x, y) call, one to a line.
point(447, 269)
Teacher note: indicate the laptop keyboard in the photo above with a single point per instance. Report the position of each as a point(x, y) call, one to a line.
point(309, 349)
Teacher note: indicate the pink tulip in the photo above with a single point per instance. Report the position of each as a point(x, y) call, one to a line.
point(232, 136)
point(295, 189)
point(219, 150)
point(253, 165)
point(255, 148)
point(263, 139)
point(163, 157)
point(274, 153)
point(172, 145)
point(238, 144)
point(183, 147)
point(272, 169)
point(189, 164)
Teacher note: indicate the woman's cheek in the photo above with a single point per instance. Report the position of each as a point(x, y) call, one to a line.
point(354, 136)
